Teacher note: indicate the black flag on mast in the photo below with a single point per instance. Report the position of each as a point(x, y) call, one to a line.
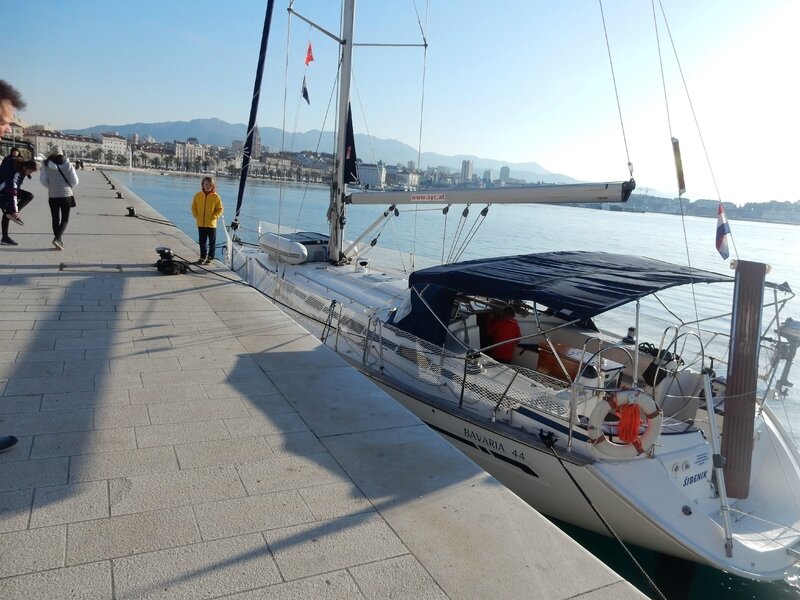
point(350, 166)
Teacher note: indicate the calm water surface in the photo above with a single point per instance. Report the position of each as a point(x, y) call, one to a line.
point(514, 229)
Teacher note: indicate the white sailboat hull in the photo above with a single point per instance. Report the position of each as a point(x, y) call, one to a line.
point(665, 503)
point(536, 475)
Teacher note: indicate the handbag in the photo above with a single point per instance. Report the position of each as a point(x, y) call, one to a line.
point(72, 202)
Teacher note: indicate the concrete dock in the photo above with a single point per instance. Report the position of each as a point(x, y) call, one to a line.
point(181, 437)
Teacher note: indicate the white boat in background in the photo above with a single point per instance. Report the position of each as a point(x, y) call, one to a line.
point(670, 438)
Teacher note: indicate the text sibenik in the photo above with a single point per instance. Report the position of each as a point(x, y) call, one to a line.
point(695, 478)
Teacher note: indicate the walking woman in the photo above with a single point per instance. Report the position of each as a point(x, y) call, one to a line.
point(207, 208)
point(59, 177)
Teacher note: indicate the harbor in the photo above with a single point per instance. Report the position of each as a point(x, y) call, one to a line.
point(180, 436)
point(518, 228)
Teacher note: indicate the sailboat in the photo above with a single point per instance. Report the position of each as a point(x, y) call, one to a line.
point(666, 441)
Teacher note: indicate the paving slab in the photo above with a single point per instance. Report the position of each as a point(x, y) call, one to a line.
point(87, 582)
point(115, 537)
point(69, 503)
point(203, 570)
point(181, 437)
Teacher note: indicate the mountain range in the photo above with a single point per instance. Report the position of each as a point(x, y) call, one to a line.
point(221, 133)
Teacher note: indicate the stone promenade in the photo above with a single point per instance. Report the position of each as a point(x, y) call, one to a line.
point(180, 437)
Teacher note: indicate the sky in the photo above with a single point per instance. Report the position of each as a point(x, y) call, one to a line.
point(512, 80)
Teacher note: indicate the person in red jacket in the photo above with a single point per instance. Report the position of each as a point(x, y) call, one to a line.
point(501, 329)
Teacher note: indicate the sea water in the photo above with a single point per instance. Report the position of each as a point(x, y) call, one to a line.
point(517, 229)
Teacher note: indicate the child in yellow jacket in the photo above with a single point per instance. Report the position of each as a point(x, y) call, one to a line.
point(207, 208)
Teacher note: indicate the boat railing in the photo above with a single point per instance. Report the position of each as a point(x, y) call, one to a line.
point(587, 386)
point(712, 355)
point(484, 384)
point(475, 379)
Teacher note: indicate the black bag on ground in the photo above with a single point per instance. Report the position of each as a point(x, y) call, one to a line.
point(171, 267)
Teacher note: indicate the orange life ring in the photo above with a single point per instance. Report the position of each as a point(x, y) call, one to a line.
point(647, 409)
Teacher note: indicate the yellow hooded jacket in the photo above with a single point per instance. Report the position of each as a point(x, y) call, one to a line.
point(207, 208)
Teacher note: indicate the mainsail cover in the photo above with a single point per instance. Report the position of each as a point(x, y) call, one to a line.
point(572, 285)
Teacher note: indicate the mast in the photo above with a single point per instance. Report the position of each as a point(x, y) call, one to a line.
point(336, 216)
point(251, 124)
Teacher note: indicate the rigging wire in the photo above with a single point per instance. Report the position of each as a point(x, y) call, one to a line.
point(445, 212)
point(285, 103)
point(319, 144)
point(298, 105)
point(476, 225)
point(694, 116)
point(457, 234)
point(672, 137)
point(399, 252)
point(422, 30)
point(364, 117)
point(616, 90)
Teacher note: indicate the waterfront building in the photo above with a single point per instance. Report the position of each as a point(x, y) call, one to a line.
point(505, 174)
point(73, 145)
point(372, 175)
point(190, 152)
point(113, 143)
point(466, 171)
point(275, 165)
point(256, 151)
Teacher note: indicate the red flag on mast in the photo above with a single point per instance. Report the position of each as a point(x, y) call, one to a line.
point(309, 54)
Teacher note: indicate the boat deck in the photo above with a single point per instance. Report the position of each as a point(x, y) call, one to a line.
point(179, 436)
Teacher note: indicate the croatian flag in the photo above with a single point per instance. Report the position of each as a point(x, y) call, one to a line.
point(723, 229)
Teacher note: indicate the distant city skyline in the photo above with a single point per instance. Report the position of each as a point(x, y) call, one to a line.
point(523, 81)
